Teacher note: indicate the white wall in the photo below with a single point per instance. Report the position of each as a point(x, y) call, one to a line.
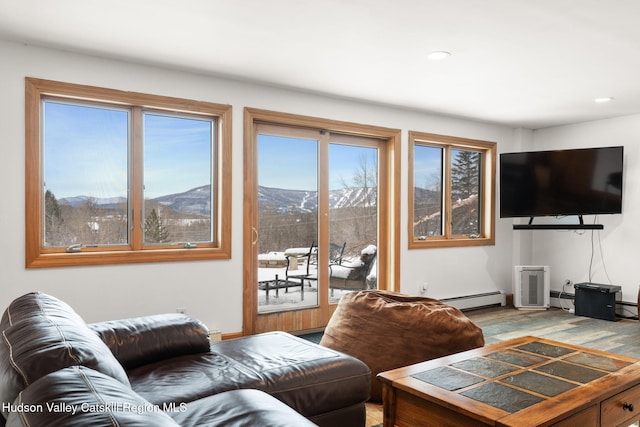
point(569, 253)
point(210, 290)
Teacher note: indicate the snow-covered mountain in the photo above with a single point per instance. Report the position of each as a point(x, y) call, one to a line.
point(79, 200)
point(195, 201)
point(198, 200)
point(292, 201)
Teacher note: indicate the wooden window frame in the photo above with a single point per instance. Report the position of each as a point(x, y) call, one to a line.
point(37, 256)
point(488, 149)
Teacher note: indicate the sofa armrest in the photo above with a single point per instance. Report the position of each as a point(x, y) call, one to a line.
point(141, 340)
point(79, 396)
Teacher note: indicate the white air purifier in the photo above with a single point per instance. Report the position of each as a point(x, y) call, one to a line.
point(531, 287)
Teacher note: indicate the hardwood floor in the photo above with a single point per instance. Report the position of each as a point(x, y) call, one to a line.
point(502, 323)
point(374, 414)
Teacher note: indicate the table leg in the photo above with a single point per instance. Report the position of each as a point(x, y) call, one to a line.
point(389, 406)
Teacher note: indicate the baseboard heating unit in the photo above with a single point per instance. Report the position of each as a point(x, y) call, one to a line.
point(477, 300)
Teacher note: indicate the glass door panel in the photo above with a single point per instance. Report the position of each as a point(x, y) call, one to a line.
point(353, 218)
point(287, 223)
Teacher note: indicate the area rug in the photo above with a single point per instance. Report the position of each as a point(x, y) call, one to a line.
point(314, 337)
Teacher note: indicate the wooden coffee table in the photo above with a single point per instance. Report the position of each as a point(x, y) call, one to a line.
point(526, 381)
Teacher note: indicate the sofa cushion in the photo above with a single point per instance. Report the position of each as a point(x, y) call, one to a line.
point(142, 340)
point(311, 379)
point(78, 397)
point(30, 304)
point(239, 408)
point(41, 335)
point(387, 330)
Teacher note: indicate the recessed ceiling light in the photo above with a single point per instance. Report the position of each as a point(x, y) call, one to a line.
point(603, 99)
point(438, 55)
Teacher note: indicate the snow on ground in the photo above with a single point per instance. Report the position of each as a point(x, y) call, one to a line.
point(291, 300)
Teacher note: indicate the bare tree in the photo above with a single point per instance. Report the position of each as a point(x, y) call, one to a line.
point(358, 225)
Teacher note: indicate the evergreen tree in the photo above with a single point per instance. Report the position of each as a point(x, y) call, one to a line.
point(465, 174)
point(52, 218)
point(154, 230)
point(51, 208)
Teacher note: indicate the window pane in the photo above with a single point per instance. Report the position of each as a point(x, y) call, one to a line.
point(178, 179)
point(465, 192)
point(428, 203)
point(85, 175)
point(353, 218)
point(287, 223)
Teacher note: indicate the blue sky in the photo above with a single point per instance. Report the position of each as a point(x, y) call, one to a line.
point(292, 163)
point(177, 154)
point(86, 152)
point(287, 162)
point(427, 165)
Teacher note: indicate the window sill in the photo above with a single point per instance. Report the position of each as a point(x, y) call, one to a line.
point(126, 257)
point(450, 243)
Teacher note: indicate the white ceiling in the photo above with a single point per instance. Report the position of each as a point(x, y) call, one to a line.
point(523, 63)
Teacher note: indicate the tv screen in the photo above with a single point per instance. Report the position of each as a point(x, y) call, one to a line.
point(561, 182)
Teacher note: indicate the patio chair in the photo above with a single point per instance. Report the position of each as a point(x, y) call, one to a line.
point(307, 273)
point(353, 275)
point(336, 252)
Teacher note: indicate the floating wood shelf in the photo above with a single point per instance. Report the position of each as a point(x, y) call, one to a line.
point(580, 226)
point(558, 227)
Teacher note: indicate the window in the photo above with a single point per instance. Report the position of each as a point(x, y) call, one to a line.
point(123, 177)
point(451, 191)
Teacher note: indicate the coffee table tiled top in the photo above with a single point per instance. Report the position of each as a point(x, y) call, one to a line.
point(514, 379)
point(523, 376)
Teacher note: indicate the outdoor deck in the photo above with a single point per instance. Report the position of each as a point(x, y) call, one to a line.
point(292, 298)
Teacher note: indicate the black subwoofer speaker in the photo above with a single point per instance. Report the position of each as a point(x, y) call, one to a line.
point(596, 300)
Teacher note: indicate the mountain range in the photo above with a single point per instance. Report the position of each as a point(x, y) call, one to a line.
point(198, 200)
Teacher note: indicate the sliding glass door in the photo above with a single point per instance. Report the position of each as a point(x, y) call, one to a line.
point(318, 213)
point(317, 217)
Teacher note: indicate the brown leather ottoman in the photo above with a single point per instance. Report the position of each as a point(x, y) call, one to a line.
point(387, 330)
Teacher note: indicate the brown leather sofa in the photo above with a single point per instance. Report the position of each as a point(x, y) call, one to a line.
point(56, 370)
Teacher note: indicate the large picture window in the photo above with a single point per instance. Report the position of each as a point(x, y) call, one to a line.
point(451, 191)
point(118, 177)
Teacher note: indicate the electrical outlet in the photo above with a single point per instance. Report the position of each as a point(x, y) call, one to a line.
point(568, 282)
point(423, 288)
point(215, 336)
point(181, 310)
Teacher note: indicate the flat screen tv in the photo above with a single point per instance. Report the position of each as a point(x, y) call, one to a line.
point(579, 182)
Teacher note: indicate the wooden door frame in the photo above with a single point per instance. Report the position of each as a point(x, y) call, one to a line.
point(388, 256)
